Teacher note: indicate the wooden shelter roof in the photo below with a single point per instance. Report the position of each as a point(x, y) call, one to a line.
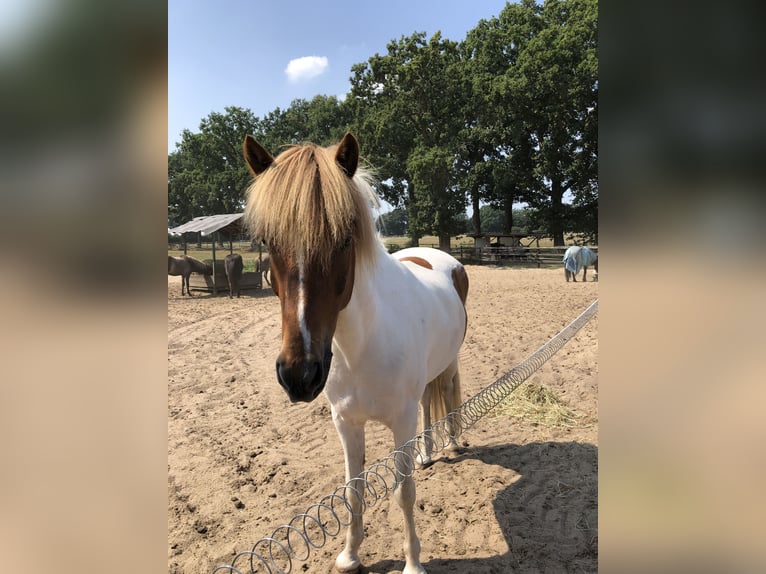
point(208, 224)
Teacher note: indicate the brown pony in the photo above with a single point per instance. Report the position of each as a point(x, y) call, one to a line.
point(233, 265)
point(185, 266)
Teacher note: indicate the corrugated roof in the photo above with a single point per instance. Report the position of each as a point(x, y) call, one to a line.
point(207, 224)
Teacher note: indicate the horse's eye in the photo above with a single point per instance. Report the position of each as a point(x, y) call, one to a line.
point(346, 244)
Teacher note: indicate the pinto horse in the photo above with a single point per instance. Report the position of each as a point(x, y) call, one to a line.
point(185, 266)
point(576, 258)
point(379, 334)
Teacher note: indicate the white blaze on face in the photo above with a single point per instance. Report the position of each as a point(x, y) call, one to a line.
point(302, 307)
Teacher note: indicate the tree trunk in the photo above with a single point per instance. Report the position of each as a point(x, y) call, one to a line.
point(476, 217)
point(444, 242)
point(556, 215)
point(413, 222)
point(508, 213)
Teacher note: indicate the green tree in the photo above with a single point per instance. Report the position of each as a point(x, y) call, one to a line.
point(496, 149)
point(531, 129)
point(493, 220)
point(206, 172)
point(394, 222)
point(509, 114)
point(556, 81)
point(404, 109)
point(323, 120)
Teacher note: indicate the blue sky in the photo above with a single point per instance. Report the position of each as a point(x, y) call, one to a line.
point(238, 52)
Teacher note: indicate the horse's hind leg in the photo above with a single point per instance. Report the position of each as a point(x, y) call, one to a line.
point(449, 400)
point(441, 397)
point(584, 271)
point(423, 457)
point(452, 394)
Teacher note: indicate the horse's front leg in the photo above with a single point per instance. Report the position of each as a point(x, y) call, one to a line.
point(352, 438)
point(404, 430)
point(584, 271)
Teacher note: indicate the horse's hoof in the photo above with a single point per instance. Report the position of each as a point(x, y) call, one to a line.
point(346, 564)
point(423, 462)
point(417, 569)
point(426, 464)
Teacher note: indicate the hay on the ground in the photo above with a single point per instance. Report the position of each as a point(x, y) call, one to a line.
point(534, 403)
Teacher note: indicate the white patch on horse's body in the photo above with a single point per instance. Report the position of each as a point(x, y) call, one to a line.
point(305, 333)
point(400, 355)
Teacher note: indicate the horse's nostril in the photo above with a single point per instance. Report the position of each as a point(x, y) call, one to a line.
point(316, 377)
point(281, 374)
point(303, 381)
point(316, 381)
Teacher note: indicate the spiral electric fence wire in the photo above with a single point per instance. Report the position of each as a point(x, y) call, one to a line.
point(293, 541)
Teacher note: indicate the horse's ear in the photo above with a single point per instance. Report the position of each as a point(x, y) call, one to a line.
point(348, 154)
point(256, 156)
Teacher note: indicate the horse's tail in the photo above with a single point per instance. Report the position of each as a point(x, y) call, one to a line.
point(446, 395)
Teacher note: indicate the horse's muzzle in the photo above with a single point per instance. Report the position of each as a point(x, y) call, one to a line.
point(304, 380)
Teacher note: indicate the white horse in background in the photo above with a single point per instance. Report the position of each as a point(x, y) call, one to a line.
point(576, 258)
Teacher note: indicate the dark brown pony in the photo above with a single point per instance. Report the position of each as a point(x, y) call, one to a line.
point(233, 265)
point(185, 266)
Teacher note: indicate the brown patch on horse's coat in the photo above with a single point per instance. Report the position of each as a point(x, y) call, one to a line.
point(418, 261)
point(460, 281)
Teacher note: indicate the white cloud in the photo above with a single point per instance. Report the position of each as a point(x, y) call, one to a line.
point(305, 68)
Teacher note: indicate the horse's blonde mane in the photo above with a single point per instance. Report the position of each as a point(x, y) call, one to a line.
point(305, 205)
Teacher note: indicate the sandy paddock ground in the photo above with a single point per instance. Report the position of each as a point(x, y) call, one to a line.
point(521, 496)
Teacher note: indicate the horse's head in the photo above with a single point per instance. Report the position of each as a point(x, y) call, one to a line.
point(305, 205)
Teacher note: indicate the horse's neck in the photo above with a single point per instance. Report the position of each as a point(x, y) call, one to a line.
point(358, 320)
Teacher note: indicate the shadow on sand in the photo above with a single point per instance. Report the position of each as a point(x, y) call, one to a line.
point(549, 516)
